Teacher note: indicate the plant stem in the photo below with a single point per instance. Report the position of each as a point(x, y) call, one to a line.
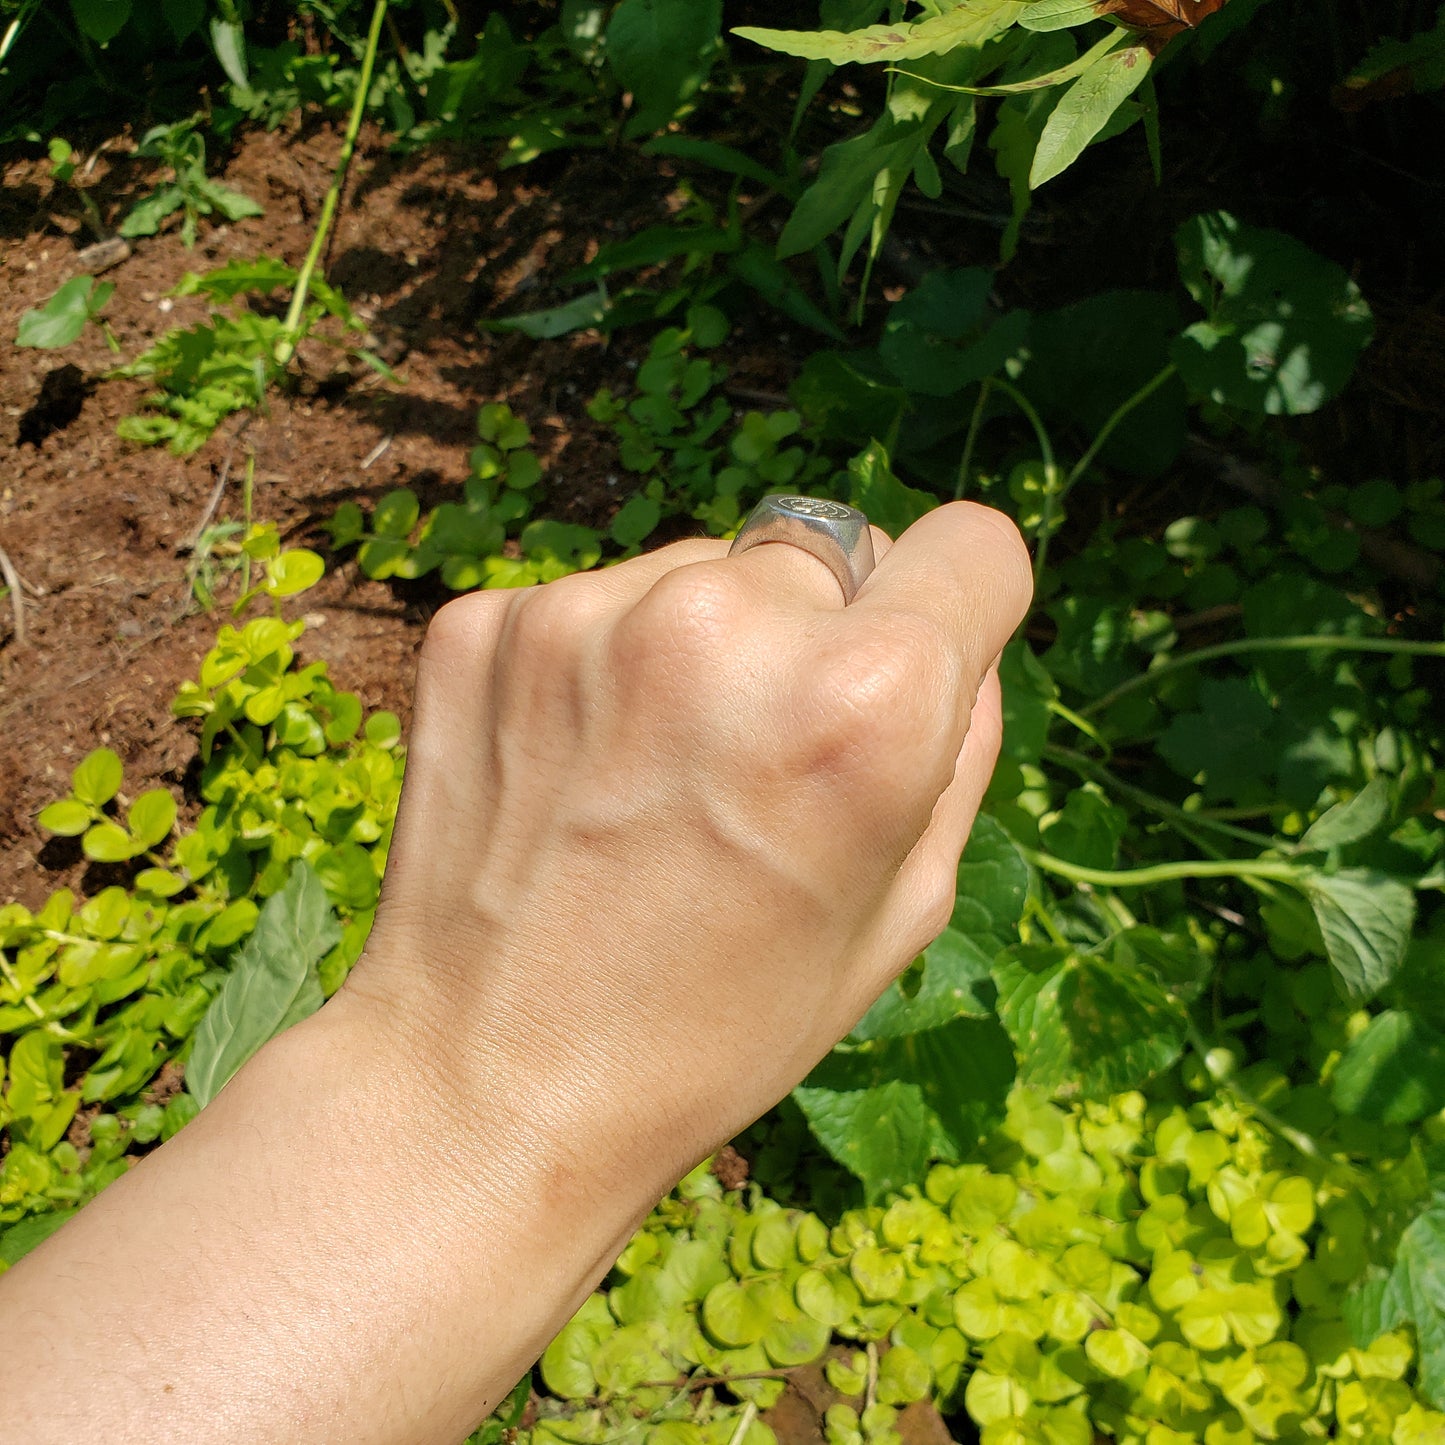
point(247, 484)
point(1051, 470)
point(1242, 868)
point(290, 336)
point(1115, 417)
point(1153, 802)
point(965, 462)
point(1261, 644)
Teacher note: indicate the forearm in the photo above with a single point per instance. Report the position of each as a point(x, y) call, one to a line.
point(294, 1265)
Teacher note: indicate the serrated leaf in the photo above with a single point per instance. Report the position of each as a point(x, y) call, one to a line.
point(1414, 1293)
point(66, 817)
point(1085, 108)
point(1365, 918)
point(1082, 1024)
point(968, 24)
point(1351, 820)
point(273, 982)
point(956, 981)
point(884, 1111)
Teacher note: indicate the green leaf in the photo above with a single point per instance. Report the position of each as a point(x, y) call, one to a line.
point(1085, 108)
point(109, 843)
point(396, 514)
point(883, 1111)
point(101, 20)
point(956, 981)
point(293, 571)
point(66, 817)
point(967, 24)
point(1083, 1025)
point(272, 984)
point(1087, 830)
point(1413, 1293)
point(567, 1362)
point(183, 17)
point(737, 1313)
point(151, 817)
point(229, 40)
point(1393, 1072)
point(1365, 918)
point(1352, 820)
point(758, 266)
point(635, 520)
point(1058, 14)
point(943, 335)
point(579, 314)
point(1284, 326)
point(61, 320)
point(661, 51)
point(19, 1239)
point(96, 779)
point(875, 490)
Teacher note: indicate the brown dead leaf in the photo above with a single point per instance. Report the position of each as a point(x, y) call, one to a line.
point(1159, 20)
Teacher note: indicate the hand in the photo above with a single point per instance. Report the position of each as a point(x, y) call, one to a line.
point(668, 829)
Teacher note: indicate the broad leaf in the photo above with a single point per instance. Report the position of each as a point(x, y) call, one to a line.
point(1365, 918)
point(970, 23)
point(888, 503)
point(943, 334)
point(1084, 1025)
point(885, 1110)
point(661, 51)
point(1352, 820)
point(273, 982)
point(955, 981)
point(1412, 1293)
point(1085, 109)
point(61, 320)
point(1393, 1072)
point(101, 20)
point(1284, 327)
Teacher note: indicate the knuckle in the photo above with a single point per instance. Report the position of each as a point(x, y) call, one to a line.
point(462, 631)
point(700, 608)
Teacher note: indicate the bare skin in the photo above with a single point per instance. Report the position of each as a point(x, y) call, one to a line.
point(667, 830)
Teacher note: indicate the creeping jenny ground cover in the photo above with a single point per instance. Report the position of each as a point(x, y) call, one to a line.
point(1150, 1144)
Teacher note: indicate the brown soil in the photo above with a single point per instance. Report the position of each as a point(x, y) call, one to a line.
point(98, 529)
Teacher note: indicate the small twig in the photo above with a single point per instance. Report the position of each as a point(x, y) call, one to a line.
point(871, 1395)
point(17, 601)
point(745, 1423)
point(190, 543)
point(377, 452)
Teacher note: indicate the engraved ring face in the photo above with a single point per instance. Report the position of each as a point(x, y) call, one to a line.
point(836, 535)
point(816, 507)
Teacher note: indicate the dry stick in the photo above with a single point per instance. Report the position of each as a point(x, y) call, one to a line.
point(190, 543)
point(17, 602)
point(286, 346)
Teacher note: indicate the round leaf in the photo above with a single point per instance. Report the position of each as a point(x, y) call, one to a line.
point(152, 816)
point(736, 1314)
point(67, 818)
point(97, 777)
point(108, 843)
point(293, 571)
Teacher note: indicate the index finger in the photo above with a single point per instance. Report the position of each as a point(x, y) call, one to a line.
point(962, 568)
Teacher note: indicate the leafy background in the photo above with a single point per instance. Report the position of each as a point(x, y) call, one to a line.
point(1147, 1145)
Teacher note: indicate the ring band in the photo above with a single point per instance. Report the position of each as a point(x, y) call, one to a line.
point(836, 535)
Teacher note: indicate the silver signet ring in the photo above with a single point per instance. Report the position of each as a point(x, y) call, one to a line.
point(836, 535)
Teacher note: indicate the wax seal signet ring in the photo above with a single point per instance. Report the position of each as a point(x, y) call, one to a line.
point(836, 535)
